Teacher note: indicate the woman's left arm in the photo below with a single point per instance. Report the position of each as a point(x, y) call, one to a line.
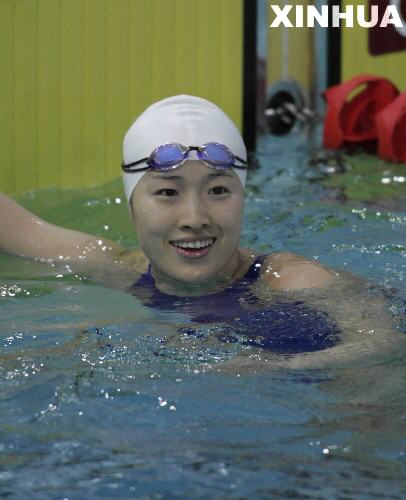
point(359, 309)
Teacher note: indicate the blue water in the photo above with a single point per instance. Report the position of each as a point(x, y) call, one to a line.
point(93, 404)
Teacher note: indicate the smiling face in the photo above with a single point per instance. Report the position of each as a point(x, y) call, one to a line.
point(188, 221)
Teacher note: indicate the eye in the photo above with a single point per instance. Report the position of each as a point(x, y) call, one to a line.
point(166, 192)
point(219, 190)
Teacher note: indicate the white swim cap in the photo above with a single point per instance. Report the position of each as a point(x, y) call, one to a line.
point(184, 119)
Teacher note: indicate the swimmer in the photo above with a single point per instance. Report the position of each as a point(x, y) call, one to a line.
point(184, 170)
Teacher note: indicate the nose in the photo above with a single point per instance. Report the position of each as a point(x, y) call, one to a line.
point(194, 215)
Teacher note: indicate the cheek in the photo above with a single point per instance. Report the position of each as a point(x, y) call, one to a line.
point(231, 215)
point(150, 221)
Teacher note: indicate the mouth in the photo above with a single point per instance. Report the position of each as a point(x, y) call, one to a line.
point(193, 249)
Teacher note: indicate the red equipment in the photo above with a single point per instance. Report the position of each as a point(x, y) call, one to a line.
point(391, 125)
point(351, 118)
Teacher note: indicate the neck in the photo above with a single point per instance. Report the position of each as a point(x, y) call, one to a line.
point(230, 273)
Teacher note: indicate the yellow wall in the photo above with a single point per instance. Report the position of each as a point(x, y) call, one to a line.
point(299, 63)
point(356, 58)
point(75, 73)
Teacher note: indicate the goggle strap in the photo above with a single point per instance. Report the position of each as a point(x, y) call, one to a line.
point(241, 160)
point(127, 168)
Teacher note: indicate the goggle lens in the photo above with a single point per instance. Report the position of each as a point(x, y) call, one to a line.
point(217, 155)
point(167, 156)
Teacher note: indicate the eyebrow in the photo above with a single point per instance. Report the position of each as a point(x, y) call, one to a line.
point(220, 173)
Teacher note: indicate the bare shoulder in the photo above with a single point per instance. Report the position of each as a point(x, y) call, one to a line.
point(292, 271)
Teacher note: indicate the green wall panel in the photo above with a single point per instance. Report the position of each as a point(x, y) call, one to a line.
point(25, 94)
point(75, 74)
point(7, 98)
point(71, 93)
point(49, 104)
point(141, 78)
point(94, 90)
point(117, 86)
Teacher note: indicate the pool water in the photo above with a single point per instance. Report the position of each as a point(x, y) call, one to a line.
point(95, 405)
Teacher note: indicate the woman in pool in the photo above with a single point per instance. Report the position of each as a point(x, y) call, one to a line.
point(188, 199)
point(185, 167)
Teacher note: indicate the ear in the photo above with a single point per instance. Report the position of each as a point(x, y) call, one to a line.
point(130, 208)
point(130, 211)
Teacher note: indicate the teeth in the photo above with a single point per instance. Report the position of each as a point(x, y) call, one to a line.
point(194, 244)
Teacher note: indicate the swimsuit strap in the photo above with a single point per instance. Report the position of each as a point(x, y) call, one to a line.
point(255, 269)
point(145, 279)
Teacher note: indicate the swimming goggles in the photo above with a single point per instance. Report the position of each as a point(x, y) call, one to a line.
point(173, 155)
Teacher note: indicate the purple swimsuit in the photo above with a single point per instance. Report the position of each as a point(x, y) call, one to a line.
point(284, 327)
